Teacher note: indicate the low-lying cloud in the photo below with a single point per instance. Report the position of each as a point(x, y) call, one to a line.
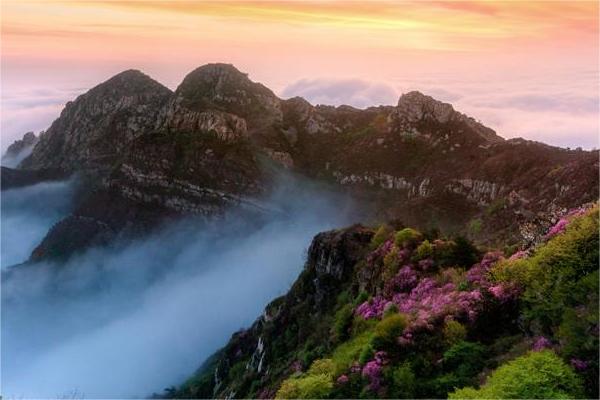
point(354, 92)
point(26, 216)
point(558, 109)
point(31, 110)
point(134, 319)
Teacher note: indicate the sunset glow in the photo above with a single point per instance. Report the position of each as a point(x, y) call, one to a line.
point(486, 45)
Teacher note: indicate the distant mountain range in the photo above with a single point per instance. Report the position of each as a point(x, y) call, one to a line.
point(146, 152)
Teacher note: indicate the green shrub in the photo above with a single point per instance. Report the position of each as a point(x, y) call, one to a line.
point(349, 352)
point(463, 254)
point(361, 298)
point(454, 332)
point(387, 331)
point(381, 235)
point(537, 375)
point(342, 323)
point(366, 354)
point(390, 264)
point(321, 367)
point(424, 250)
point(475, 226)
point(361, 325)
point(552, 276)
point(308, 387)
point(407, 237)
point(465, 359)
point(317, 383)
point(403, 382)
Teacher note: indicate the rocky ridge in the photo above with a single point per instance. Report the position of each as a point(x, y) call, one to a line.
point(204, 148)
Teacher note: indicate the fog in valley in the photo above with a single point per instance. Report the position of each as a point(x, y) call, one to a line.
point(135, 318)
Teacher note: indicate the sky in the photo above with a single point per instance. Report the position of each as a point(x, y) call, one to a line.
point(525, 69)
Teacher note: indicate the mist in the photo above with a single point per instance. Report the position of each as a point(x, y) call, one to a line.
point(27, 214)
point(12, 161)
point(134, 319)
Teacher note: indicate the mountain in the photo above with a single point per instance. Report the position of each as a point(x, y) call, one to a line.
point(408, 309)
point(207, 147)
point(19, 149)
point(399, 314)
point(94, 130)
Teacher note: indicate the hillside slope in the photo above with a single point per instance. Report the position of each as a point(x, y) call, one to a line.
point(396, 313)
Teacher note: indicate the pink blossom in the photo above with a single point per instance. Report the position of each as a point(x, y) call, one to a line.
point(541, 343)
point(426, 264)
point(373, 308)
point(296, 366)
point(372, 370)
point(355, 368)
point(558, 228)
point(406, 339)
point(405, 280)
point(518, 255)
point(503, 292)
point(380, 252)
point(577, 212)
point(578, 364)
point(342, 379)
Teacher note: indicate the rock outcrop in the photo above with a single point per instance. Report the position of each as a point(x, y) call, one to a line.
point(95, 129)
point(19, 149)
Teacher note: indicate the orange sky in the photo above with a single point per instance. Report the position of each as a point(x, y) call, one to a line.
point(399, 43)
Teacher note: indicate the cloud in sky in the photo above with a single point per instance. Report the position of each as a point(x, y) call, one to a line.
point(32, 109)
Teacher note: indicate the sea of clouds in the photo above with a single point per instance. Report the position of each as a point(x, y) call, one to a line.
point(137, 317)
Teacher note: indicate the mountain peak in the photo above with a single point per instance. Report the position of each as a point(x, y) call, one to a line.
point(128, 82)
point(416, 105)
point(225, 88)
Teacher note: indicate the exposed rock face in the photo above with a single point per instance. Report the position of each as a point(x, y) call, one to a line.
point(222, 87)
point(19, 149)
point(94, 130)
point(331, 260)
point(415, 107)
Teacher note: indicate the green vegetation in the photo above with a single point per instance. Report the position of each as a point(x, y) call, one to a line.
point(387, 331)
point(407, 237)
point(430, 317)
point(475, 226)
point(537, 375)
point(381, 235)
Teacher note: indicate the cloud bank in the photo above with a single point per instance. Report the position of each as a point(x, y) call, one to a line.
point(354, 92)
point(131, 320)
point(558, 110)
point(27, 214)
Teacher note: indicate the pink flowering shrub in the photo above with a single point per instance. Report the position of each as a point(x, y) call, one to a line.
point(373, 308)
point(518, 255)
point(427, 300)
point(380, 252)
point(558, 228)
point(503, 292)
point(372, 370)
point(403, 281)
point(578, 364)
point(342, 379)
point(541, 343)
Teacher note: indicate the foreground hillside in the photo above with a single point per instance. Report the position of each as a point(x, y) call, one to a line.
point(403, 314)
